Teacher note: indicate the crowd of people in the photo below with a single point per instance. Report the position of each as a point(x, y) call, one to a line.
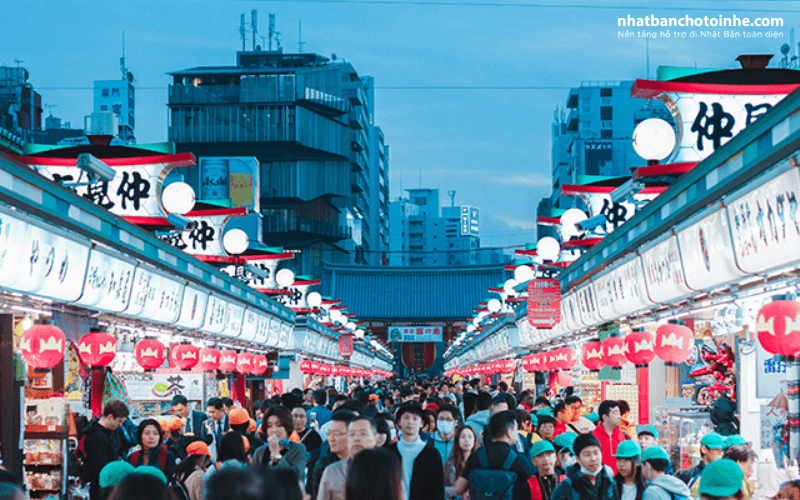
point(404, 440)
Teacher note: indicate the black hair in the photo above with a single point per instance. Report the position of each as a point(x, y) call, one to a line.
point(143, 487)
point(214, 403)
point(573, 399)
point(404, 393)
point(658, 464)
point(287, 479)
point(320, 396)
point(116, 408)
point(382, 425)
point(143, 425)
point(180, 399)
point(624, 407)
point(452, 409)
point(561, 406)
point(740, 453)
point(227, 401)
point(288, 400)
point(605, 408)
point(638, 479)
point(475, 382)
point(252, 483)
point(298, 393)
point(541, 400)
point(584, 441)
point(523, 417)
point(502, 386)
point(187, 466)
point(522, 395)
point(483, 401)
point(367, 419)
point(342, 416)
point(375, 473)
point(545, 419)
point(501, 422)
point(231, 447)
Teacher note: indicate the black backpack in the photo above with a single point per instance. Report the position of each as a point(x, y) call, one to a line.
point(490, 484)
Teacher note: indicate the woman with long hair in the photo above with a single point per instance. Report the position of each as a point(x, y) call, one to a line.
point(466, 443)
point(190, 473)
point(373, 474)
point(280, 452)
point(152, 450)
point(232, 454)
point(629, 480)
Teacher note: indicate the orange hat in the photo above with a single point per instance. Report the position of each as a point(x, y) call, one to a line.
point(198, 448)
point(175, 424)
point(238, 416)
point(373, 397)
point(252, 427)
point(246, 443)
point(164, 425)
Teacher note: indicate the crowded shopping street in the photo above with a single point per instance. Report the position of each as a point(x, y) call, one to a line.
point(399, 250)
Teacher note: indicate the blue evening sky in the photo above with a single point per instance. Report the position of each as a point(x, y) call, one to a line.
point(490, 144)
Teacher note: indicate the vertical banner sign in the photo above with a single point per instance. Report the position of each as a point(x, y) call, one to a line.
point(544, 303)
point(465, 221)
point(346, 345)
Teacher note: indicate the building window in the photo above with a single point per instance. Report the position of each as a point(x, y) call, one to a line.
point(605, 92)
point(606, 134)
point(115, 92)
point(104, 92)
point(103, 107)
point(605, 112)
point(117, 108)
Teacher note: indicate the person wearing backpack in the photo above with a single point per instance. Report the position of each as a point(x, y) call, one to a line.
point(152, 449)
point(496, 471)
point(589, 478)
point(100, 444)
point(660, 485)
point(545, 478)
point(190, 473)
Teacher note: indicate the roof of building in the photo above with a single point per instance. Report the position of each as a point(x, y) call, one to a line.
point(411, 293)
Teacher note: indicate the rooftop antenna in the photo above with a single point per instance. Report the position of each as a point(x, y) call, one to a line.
point(242, 30)
point(271, 29)
point(50, 108)
point(253, 25)
point(452, 195)
point(300, 41)
point(18, 61)
point(122, 59)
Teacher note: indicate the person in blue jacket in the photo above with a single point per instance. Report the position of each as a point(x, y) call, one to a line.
point(588, 479)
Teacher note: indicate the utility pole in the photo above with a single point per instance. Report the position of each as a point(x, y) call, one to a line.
point(242, 31)
point(253, 25)
point(271, 29)
point(300, 41)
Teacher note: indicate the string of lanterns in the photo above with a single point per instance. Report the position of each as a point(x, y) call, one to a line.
point(317, 368)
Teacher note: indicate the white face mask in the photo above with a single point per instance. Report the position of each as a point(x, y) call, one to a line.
point(392, 434)
point(445, 426)
point(568, 461)
point(587, 472)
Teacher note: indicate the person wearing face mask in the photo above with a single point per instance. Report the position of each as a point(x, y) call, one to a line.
point(589, 478)
point(545, 478)
point(280, 452)
point(629, 479)
point(447, 418)
point(565, 457)
point(660, 486)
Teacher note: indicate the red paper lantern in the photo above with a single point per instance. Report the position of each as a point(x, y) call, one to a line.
point(244, 363)
point(337, 371)
point(674, 343)
point(639, 348)
point(209, 359)
point(227, 360)
point(569, 358)
point(305, 366)
point(778, 327)
point(43, 346)
point(185, 356)
point(260, 364)
point(592, 355)
point(614, 352)
point(325, 370)
point(97, 348)
point(150, 353)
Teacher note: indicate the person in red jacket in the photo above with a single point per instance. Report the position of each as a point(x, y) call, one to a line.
point(608, 432)
point(545, 478)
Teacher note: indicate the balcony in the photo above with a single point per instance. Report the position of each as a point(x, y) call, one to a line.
point(286, 229)
point(203, 94)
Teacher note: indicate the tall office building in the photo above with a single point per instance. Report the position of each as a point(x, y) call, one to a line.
point(118, 97)
point(594, 139)
point(310, 123)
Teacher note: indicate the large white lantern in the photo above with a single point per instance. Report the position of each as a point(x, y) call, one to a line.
point(523, 273)
point(235, 241)
point(178, 198)
point(570, 219)
point(548, 248)
point(654, 139)
point(509, 286)
point(494, 306)
point(284, 278)
point(314, 300)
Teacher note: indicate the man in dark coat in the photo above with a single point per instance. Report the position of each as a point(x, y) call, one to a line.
point(194, 419)
point(102, 443)
point(423, 472)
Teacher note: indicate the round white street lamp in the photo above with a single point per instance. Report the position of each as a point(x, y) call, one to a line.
point(570, 219)
point(235, 241)
point(494, 306)
point(654, 139)
point(508, 287)
point(314, 300)
point(548, 248)
point(524, 273)
point(284, 278)
point(178, 198)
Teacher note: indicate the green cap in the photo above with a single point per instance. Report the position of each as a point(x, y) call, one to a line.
point(733, 440)
point(545, 411)
point(565, 440)
point(713, 441)
point(593, 417)
point(646, 429)
point(114, 472)
point(629, 449)
point(655, 453)
point(534, 419)
point(540, 447)
point(152, 471)
point(721, 478)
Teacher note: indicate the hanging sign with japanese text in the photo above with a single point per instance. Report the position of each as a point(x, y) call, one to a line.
point(415, 334)
point(51, 265)
point(108, 283)
point(12, 232)
point(205, 238)
point(544, 302)
point(707, 267)
point(663, 272)
point(771, 374)
point(765, 224)
point(193, 308)
point(249, 325)
point(286, 334)
point(274, 332)
point(215, 315)
point(234, 316)
point(707, 122)
point(346, 345)
point(163, 386)
point(587, 306)
point(155, 297)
